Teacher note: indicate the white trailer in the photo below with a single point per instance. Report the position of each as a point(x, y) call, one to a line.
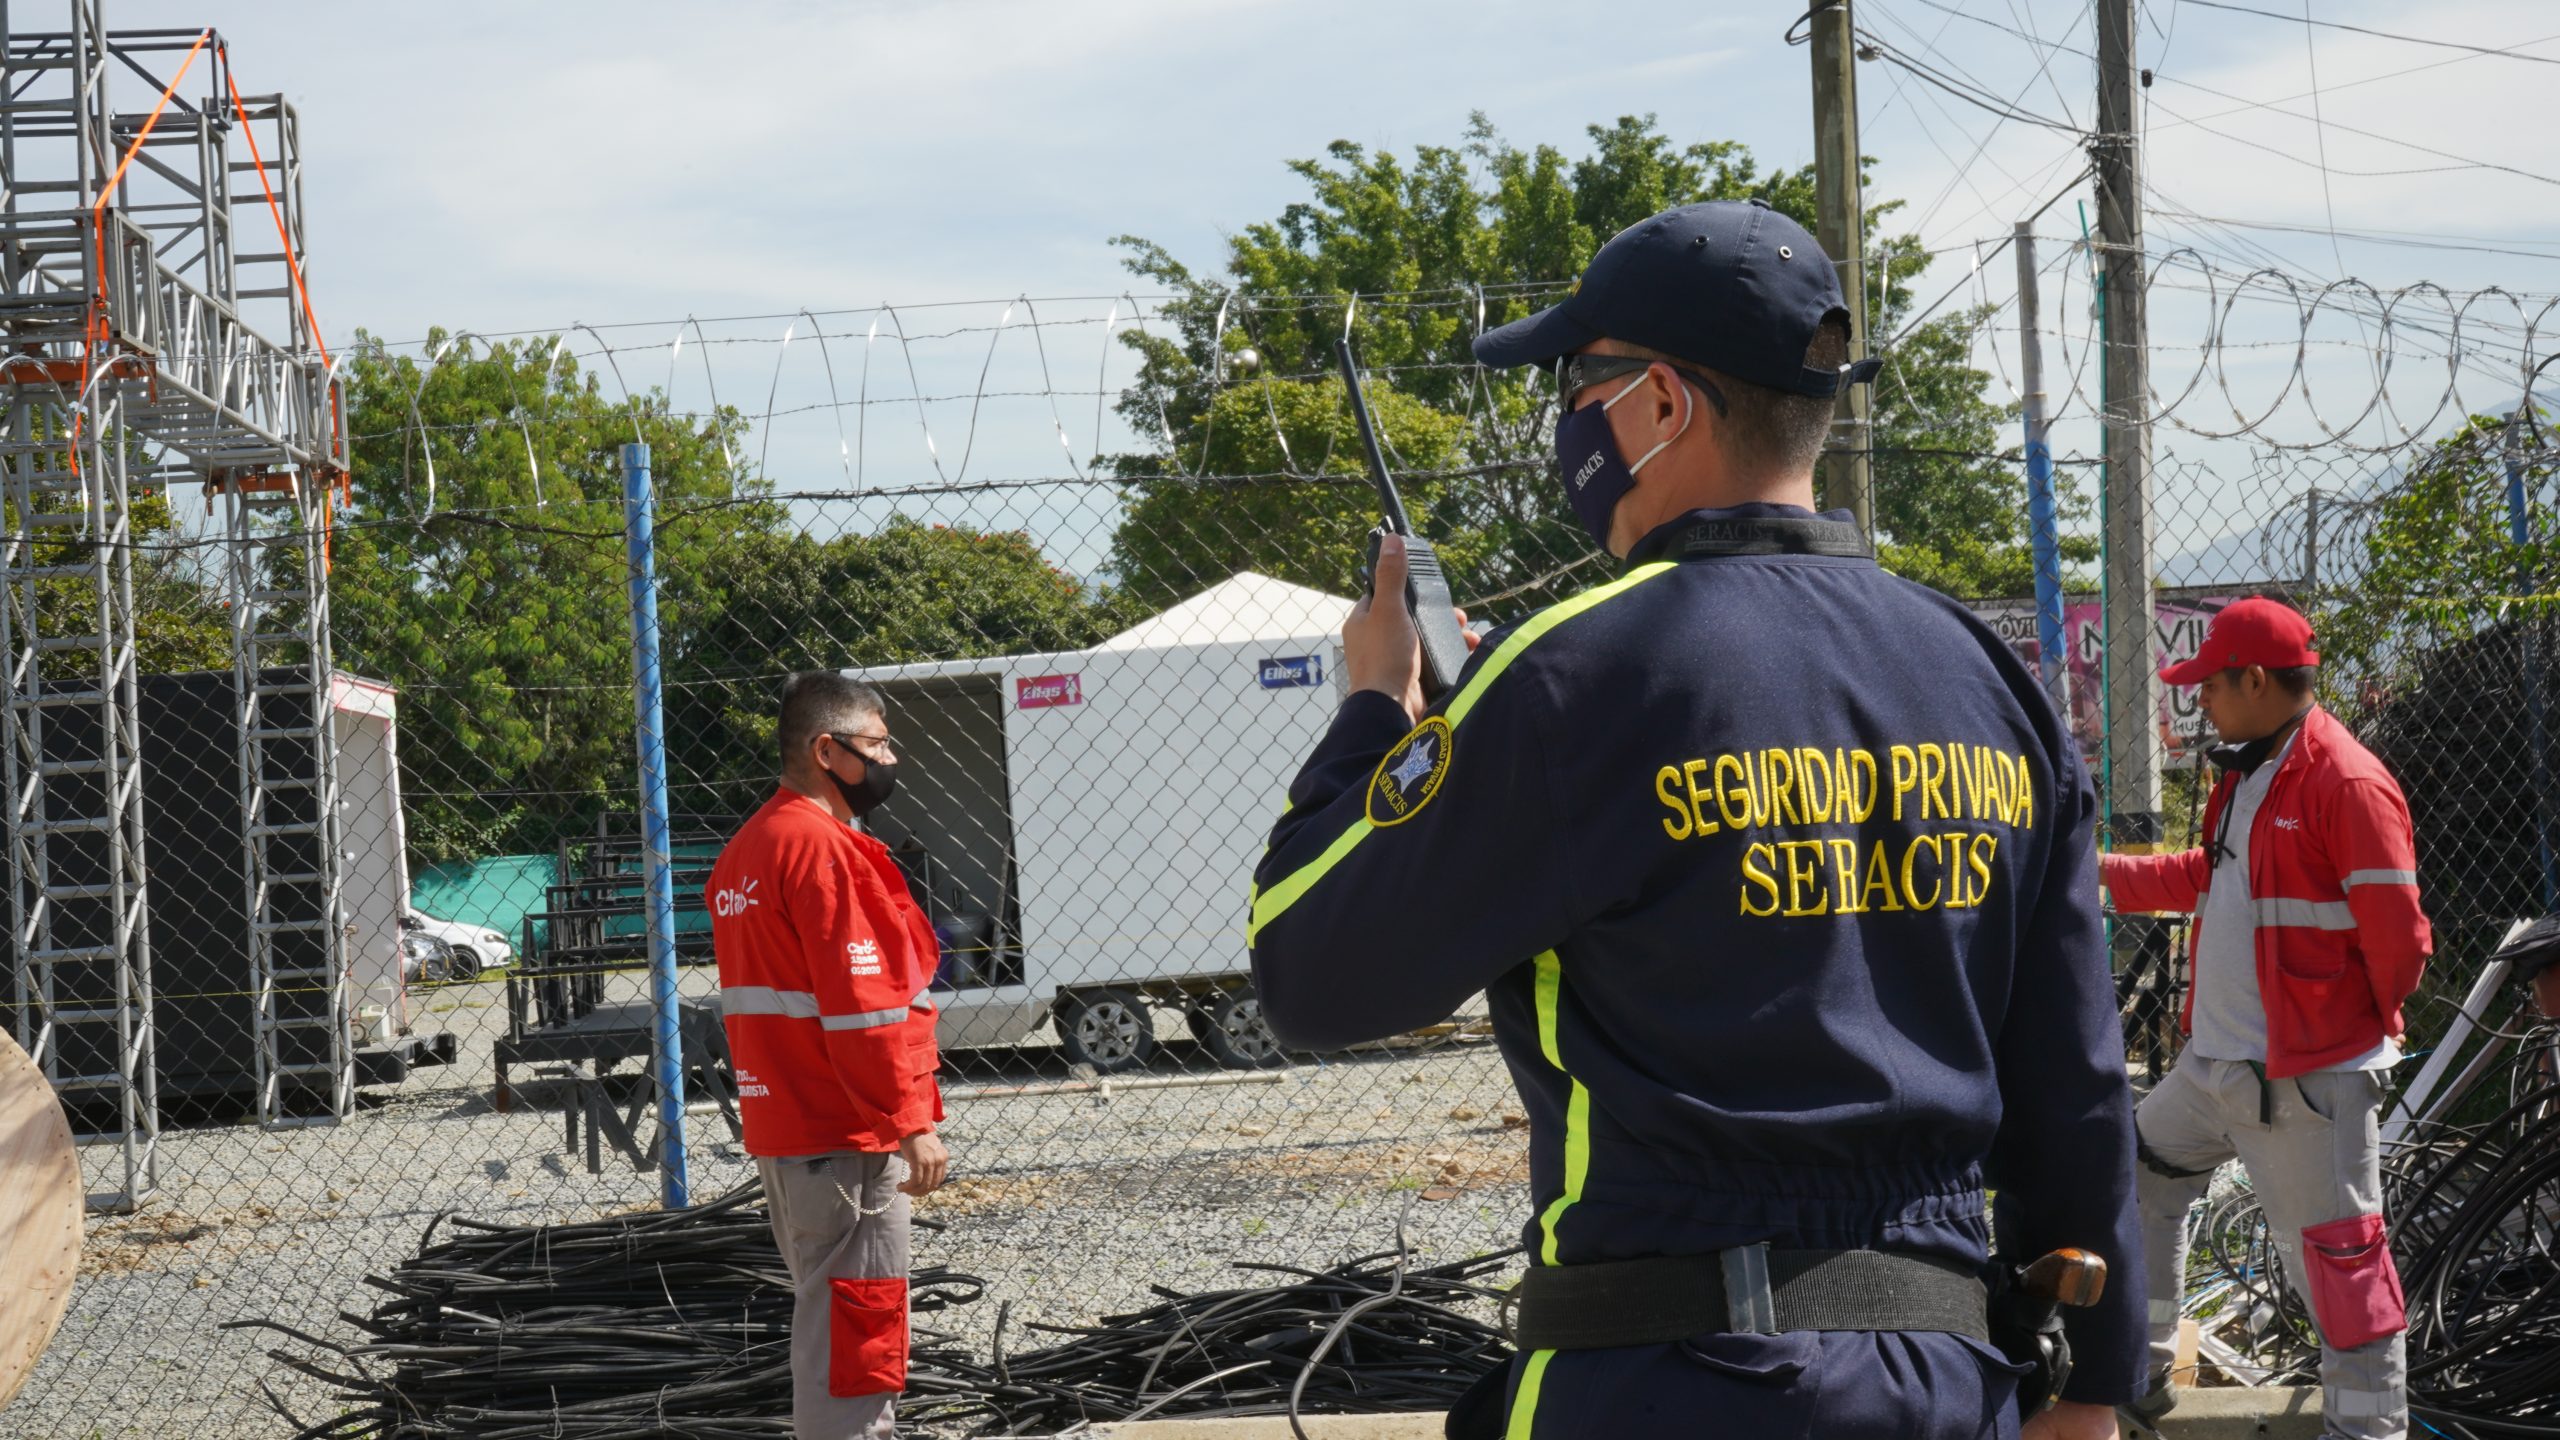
point(1083, 826)
point(373, 876)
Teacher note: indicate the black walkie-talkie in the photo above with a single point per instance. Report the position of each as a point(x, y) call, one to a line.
point(1426, 589)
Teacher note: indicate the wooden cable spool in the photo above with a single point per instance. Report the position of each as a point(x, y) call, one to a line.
point(40, 1203)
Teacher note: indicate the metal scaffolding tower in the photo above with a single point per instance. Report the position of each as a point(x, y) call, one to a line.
point(123, 347)
point(289, 801)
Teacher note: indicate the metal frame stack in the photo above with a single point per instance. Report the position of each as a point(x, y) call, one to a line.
point(123, 345)
point(278, 544)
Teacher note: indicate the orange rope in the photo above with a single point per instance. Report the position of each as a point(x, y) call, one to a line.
point(96, 329)
point(293, 267)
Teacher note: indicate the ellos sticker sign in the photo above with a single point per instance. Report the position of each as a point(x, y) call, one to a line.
point(1041, 692)
point(1293, 672)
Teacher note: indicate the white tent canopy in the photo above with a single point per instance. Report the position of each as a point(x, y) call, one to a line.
point(1247, 607)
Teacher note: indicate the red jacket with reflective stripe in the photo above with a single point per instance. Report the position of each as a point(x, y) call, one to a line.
point(2333, 879)
point(825, 961)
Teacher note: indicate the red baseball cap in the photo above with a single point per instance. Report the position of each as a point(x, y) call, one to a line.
point(2255, 631)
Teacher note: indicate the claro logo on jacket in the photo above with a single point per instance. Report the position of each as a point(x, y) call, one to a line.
point(863, 956)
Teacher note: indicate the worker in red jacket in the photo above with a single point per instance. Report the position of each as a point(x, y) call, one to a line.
point(825, 964)
point(2308, 938)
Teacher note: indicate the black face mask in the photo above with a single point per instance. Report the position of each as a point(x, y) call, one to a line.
point(879, 781)
point(2245, 758)
point(2242, 760)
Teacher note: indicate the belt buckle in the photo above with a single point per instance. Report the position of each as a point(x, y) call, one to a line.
point(1749, 1307)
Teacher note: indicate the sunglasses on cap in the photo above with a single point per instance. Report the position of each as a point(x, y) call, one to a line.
point(1577, 373)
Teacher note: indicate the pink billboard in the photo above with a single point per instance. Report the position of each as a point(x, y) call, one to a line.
point(2177, 632)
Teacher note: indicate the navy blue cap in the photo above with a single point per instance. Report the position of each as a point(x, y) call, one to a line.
point(1731, 284)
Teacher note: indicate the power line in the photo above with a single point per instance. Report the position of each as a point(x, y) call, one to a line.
point(1961, 173)
point(2494, 51)
point(2464, 161)
point(2277, 107)
point(2025, 16)
point(2352, 84)
point(2403, 239)
point(1917, 320)
point(2320, 133)
point(1901, 81)
point(2459, 165)
point(1971, 94)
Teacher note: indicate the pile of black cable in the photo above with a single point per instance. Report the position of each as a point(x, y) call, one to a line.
point(2475, 1232)
point(663, 1324)
point(676, 1325)
point(1372, 1335)
point(2477, 1237)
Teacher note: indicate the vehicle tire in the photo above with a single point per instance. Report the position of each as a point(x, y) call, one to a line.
point(466, 963)
point(1111, 1030)
point(1229, 1025)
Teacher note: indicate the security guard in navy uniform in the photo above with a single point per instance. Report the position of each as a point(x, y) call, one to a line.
point(1778, 872)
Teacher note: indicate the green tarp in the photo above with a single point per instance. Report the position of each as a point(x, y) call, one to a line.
point(501, 890)
point(692, 916)
point(497, 891)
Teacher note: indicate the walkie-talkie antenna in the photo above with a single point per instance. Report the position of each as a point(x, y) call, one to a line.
point(1426, 589)
point(1390, 501)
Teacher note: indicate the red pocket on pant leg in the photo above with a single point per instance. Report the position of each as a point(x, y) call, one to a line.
point(866, 1337)
point(2355, 1289)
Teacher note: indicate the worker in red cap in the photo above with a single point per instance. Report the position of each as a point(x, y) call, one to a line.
point(2308, 937)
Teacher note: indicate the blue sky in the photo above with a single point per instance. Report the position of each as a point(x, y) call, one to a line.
point(515, 167)
point(499, 166)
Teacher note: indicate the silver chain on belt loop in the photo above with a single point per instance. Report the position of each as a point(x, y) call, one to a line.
point(857, 1207)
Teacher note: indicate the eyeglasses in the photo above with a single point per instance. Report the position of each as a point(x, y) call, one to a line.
point(881, 740)
point(1577, 373)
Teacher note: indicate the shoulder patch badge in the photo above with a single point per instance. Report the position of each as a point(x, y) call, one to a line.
point(1411, 773)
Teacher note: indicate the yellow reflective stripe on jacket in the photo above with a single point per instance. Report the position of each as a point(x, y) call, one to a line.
point(1524, 1401)
point(1577, 1113)
point(1269, 905)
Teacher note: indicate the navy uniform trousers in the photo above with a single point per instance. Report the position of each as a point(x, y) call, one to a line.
point(1837, 1385)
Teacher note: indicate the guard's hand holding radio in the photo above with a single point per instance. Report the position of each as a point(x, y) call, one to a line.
point(1426, 590)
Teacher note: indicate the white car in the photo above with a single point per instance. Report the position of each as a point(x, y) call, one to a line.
point(477, 949)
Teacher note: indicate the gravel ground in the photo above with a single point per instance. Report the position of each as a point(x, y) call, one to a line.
point(1070, 1204)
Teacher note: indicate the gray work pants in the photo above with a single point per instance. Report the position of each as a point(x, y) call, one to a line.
point(849, 1287)
point(2315, 1159)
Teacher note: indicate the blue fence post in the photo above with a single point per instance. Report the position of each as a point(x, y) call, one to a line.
point(2520, 530)
point(666, 1053)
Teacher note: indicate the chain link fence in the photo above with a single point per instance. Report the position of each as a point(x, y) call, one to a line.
point(1105, 615)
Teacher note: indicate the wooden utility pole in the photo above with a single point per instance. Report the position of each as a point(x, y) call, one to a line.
point(2044, 533)
point(2132, 680)
point(1848, 479)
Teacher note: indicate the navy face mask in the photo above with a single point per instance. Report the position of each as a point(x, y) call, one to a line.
point(1596, 476)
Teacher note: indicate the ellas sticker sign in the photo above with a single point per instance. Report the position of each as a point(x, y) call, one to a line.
point(1040, 692)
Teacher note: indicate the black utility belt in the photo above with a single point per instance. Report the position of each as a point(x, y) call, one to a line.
point(1750, 1290)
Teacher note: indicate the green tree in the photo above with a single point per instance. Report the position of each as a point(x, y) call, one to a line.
point(180, 622)
point(495, 597)
point(785, 601)
point(2431, 631)
point(1178, 537)
point(1485, 232)
point(179, 619)
point(2439, 561)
